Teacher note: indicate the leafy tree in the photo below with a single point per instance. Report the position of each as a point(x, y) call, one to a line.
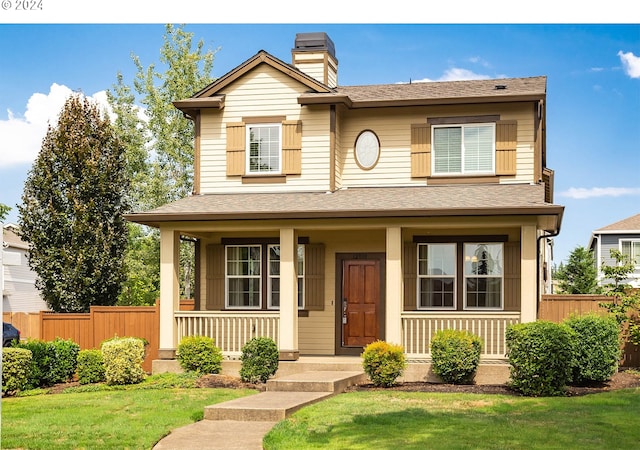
point(160, 149)
point(72, 210)
point(4, 210)
point(579, 275)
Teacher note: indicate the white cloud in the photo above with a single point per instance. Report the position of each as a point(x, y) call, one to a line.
point(582, 193)
point(454, 74)
point(21, 137)
point(631, 64)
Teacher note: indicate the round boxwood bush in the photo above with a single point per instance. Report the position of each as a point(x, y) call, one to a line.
point(541, 357)
point(597, 347)
point(16, 363)
point(123, 358)
point(455, 355)
point(259, 360)
point(199, 354)
point(383, 362)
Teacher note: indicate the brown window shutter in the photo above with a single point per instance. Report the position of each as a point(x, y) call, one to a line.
point(506, 144)
point(410, 271)
point(420, 150)
point(512, 276)
point(235, 148)
point(314, 277)
point(292, 147)
point(215, 277)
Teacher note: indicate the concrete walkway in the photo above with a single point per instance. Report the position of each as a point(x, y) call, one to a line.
point(243, 422)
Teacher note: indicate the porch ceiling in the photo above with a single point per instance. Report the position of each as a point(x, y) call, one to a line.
point(385, 202)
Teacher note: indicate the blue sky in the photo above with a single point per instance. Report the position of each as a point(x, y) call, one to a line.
point(593, 87)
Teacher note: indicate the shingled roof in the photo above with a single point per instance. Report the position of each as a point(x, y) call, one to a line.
point(421, 201)
point(629, 224)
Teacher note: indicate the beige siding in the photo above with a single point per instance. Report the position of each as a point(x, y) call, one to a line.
point(393, 127)
point(265, 92)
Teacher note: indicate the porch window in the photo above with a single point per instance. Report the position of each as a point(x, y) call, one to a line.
point(274, 276)
point(243, 271)
point(631, 248)
point(463, 149)
point(483, 275)
point(436, 276)
point(264, 155)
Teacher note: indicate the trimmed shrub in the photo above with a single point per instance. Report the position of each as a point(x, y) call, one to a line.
point(541, 357)
point(16, 363)
point(455, 355)
point(90, 366)
point(123, 358)
point(597, 347)
point(383, 362)
point(259, 360)
point(43, 355)
point(199, 354)
point(65, 360)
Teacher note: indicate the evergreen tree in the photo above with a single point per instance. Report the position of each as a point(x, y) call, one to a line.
point(579, 275)
point(4, 210)
point(72, 210)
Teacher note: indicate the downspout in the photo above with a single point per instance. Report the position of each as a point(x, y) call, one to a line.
point(544, 236)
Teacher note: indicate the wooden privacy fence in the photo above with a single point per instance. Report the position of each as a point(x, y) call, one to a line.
point(27, 323)
point(557, 307)
point(88, 330)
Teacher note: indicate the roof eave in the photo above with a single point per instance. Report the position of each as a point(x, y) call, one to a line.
point(323, 99)
point(190, 105)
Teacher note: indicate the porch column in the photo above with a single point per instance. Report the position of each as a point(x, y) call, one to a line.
point(394, 283)
point(288, 344)
point(169, 291)
point(529, 275)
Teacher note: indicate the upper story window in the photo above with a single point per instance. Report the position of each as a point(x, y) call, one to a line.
point(631, 248)
point(464, 149)
point(264, 148)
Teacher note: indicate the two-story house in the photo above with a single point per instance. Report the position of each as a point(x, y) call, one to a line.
point(329, 216)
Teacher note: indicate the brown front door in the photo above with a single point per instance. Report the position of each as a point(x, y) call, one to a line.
point(360, 302)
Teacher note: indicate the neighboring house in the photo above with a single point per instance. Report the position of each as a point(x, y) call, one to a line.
point(329, 216)
point(19, 293)
point(624, 236)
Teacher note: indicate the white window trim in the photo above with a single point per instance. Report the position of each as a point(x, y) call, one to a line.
point(462, 156)
point(631, 241)
point(227, 277)
point(455, 279)
point(248, 148)
point(464, 282)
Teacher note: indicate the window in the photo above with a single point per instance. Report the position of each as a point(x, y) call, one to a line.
point(436, 276)
point(244, 268)
point(463, 149)
point(483, 275)
point(243, 276)
point(274, 276)
point(460, 275)
point(264, 149)
point(631, 248)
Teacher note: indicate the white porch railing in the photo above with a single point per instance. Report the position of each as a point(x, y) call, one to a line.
point(419, 328)
point(230, 330)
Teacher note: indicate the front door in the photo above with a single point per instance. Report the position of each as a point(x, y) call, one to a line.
point(360, 302)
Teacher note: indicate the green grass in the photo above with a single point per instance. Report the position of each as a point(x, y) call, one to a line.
point(404, 420)
point(132, 417)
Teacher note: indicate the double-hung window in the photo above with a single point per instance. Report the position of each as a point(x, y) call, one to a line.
point(436, 276)
point(631, 248)
point(264, 152)
point(464, 149)
point(274, 276)
point(483, 276)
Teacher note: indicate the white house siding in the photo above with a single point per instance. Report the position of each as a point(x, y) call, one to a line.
point(20, 293)
point(393, 129)
point(265, 92)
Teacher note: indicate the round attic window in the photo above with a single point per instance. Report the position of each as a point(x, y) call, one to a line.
point(367, 150)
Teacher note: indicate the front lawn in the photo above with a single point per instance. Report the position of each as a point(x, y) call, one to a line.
point(414, 420)
point(135, 418)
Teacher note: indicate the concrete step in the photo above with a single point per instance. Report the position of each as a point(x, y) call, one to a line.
point(316, 381)
point(263, 407)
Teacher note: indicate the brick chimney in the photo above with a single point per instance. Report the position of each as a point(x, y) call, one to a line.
point(315, 55)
